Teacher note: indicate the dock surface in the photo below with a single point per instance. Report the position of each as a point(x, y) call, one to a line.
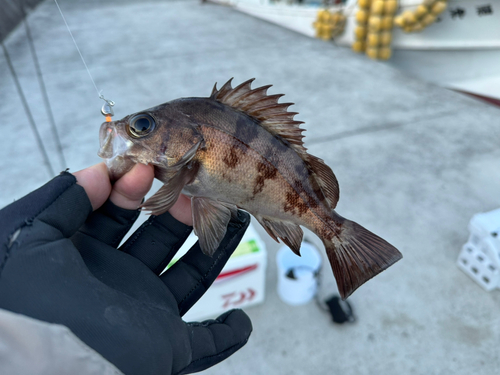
point(414, 162)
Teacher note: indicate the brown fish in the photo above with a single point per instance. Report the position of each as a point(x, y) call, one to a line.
point(240, 148)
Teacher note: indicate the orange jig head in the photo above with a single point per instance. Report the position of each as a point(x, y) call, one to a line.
point(107, 108)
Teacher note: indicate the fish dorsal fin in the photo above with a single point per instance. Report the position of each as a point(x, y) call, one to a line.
point(272, 116)
point(275, 118)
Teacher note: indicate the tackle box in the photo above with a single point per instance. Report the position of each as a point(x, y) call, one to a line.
point(241, 282)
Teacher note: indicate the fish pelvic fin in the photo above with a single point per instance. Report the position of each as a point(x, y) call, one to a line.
point(357, 255)
point(210, 220)
point(272, 116)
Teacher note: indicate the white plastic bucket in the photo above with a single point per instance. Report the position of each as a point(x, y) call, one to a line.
point(297, 276)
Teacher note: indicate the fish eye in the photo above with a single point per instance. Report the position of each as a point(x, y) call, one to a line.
point(141, 125)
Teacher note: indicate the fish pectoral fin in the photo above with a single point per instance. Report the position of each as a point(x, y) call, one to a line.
point(163, 199)
point(357, 255)
point(167, 195)
point(291, 234)
point(177, 176)
point(210, 220)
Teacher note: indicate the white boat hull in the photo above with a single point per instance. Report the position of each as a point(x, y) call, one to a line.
point(461, 51)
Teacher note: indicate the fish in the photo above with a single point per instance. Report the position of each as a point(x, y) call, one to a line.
point(240, 148)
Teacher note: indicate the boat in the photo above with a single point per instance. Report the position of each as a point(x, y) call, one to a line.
point(459, 50)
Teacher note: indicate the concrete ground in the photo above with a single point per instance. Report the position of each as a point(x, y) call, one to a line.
point(414, 163)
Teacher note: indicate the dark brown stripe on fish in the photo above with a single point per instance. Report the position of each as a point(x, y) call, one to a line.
point(311, 201)
point(294, 204)
point(302, 171)
point(246, 129)
point(265, 171)
point(232, 159)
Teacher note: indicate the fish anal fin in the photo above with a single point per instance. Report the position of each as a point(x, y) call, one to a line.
point(268, 229)
point(357, 255)
point(326, 179)
point(291, 234)
point(210, 220)
point(272, 116)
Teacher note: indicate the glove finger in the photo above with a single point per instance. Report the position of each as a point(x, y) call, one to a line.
point(213, 341)
point(57, 210)
point(190, 277)
point(108, 224)
point(156, 241)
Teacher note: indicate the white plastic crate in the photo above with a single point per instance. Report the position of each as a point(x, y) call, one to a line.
point(480, 256)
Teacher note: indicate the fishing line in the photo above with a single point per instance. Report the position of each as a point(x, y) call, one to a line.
point(78, 49)
point(107, 109)
point(43, 89)
point(28, 112)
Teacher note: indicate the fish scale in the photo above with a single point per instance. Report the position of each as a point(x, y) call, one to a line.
point(241, 149)
point(272, 149)
point(214, 173)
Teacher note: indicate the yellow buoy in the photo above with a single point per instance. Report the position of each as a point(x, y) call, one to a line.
point(399, 21)
point(376, 19)
point(384, 53)
point(428, 19)
point(409, 17)
point(428, 3)
point(387, 22)
point(358, 46)
point(377, 7)
point(373, 39)
point(364, 3)
point(320, 16)
point(421, 11)
point(362, 16)
point(386, 38)
point(372, 52)
point(329, 25)
point(390, 7)
point(408, 28)
point(360, 32)
point(375, 23)
point(438, 7)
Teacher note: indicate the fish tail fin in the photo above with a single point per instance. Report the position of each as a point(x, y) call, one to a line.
point(357, 255)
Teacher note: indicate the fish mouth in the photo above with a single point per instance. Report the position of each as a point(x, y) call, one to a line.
point(113, 149)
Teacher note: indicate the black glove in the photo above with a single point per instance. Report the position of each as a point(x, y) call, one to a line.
point(59, 263)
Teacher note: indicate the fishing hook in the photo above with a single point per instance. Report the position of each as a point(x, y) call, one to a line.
point(107, 108)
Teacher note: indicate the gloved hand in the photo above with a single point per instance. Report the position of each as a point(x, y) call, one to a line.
point(59, 263)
